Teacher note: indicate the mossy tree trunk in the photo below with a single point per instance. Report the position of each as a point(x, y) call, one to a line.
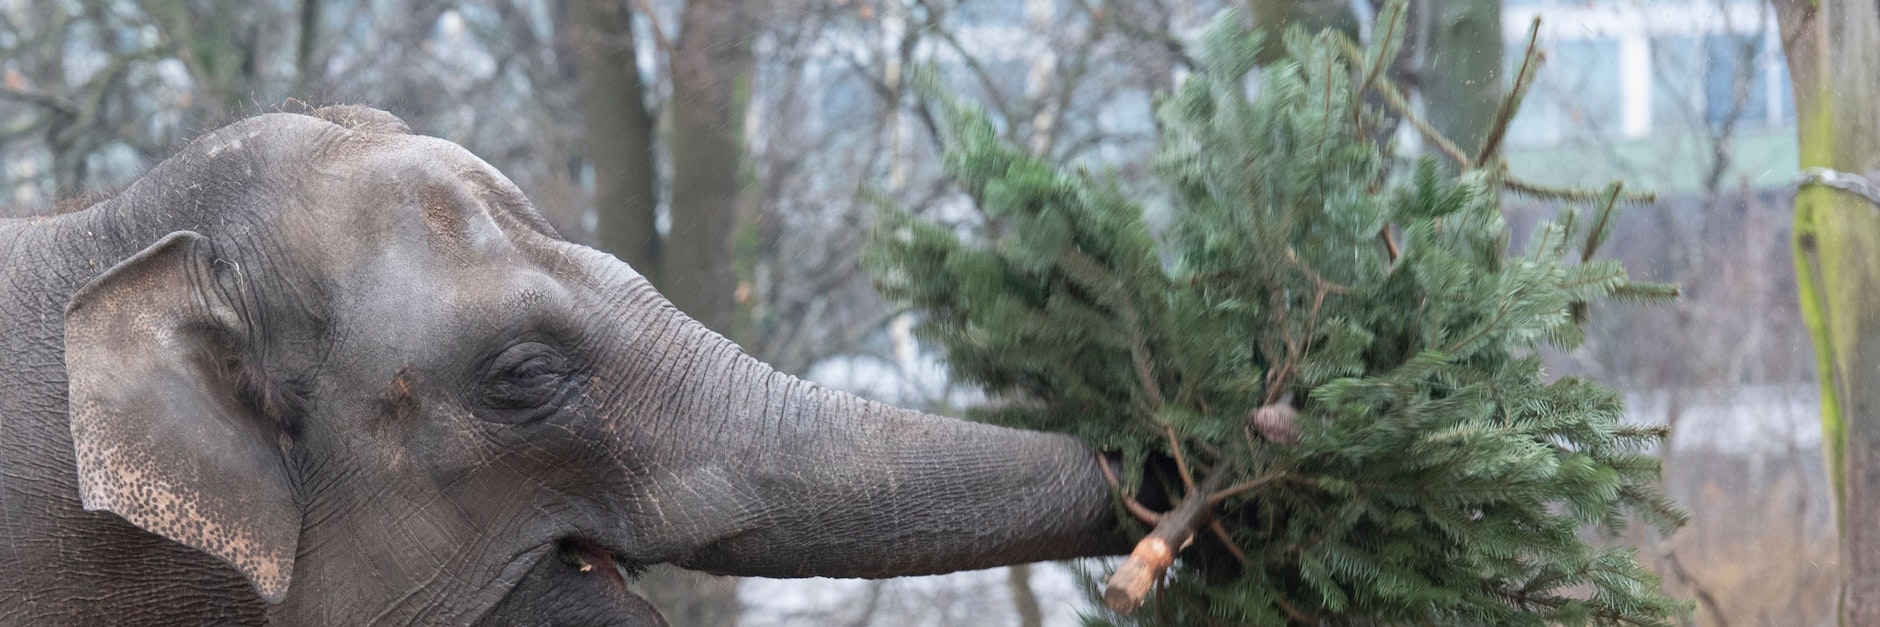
point(1833, 49)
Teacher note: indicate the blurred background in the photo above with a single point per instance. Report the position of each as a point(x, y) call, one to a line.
point(722, 147)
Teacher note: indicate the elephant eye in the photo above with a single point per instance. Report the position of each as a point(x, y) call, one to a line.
point(526, 382)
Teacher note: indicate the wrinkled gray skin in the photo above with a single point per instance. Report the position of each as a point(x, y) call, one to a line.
point(337, 374)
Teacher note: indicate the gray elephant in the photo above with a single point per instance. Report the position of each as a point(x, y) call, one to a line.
point(317, 370)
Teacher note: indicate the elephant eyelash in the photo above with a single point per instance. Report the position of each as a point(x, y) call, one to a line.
point(526, 382)
point(631, 570)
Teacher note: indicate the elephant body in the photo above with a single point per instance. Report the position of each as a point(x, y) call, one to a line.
point(61, 565)
point(314, 369)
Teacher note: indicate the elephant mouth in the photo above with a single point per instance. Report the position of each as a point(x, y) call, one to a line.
point(574, 581)
point(593, 558)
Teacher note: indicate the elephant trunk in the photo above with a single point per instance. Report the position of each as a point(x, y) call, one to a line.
point(779, 477)
point(853, 488)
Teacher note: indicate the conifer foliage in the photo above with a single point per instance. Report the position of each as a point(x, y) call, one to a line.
point(1336, 349)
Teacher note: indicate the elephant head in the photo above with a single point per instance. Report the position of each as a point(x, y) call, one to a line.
point(366, 375)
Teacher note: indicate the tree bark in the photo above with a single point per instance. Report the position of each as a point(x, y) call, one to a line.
point(711, 74)
point(1024, 600)
point(1461, 78)
point(692, 599)
point(619, 134)
point(1833, 50)
point(711, 66)
point(303, 49)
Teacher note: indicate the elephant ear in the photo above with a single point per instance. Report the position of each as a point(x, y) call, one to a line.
point(163, 435)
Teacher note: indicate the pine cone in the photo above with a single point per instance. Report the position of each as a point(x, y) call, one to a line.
point(1276, 423)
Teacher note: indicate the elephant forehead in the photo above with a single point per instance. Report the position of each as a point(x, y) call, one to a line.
point(423, 204)
point(451, 190)
point(451, 172)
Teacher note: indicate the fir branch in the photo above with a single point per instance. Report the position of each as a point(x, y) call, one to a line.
point(1401, 106)
point(1393, 18)
point(1134, 507)
point(1292, 259)
point(1511, 102)
point(1568, 194)
point(1602, 224)
point(1221, 496)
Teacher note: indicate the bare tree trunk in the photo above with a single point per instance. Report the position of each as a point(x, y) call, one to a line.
point(692, 599)
point(711, 66)
point(1023, 599)
point(303, 48)
point(1833, 49)
point(1461, 77)
point(711, 73)
point(619, 133)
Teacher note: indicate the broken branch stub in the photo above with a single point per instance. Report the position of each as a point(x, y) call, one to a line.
point(1154, 555)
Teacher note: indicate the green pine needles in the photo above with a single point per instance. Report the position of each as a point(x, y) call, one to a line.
point(1432, 473)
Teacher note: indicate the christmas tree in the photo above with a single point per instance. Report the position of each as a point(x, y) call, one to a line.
point(1335, 349)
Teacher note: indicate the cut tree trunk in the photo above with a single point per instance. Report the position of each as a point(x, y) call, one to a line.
point(1833, 50)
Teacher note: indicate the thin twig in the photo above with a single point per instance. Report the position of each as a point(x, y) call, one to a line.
point(1703, 593)
point(1292, 257)
point(1222, 495)
point(1401, 105)
point(1131, 28)
point(659, 31)
point(1181, 464)
point(1129, 502)
point(1534, 190)
point(1139, 356)
point(1297, 616)
point(39, 98)
point(1504, 114)
point(1378, 64)
point(1226, 541)
point(1597, 233)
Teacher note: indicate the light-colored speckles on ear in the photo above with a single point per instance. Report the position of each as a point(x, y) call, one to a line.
point(130, 483)
point(160, 439)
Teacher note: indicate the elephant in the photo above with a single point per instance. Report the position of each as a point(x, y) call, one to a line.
point(316, 369)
